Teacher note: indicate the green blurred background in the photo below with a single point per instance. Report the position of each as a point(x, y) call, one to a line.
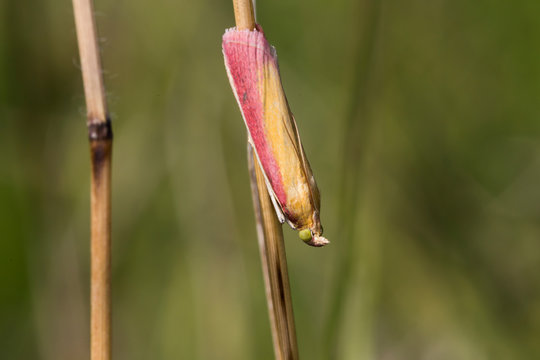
point(421, 120)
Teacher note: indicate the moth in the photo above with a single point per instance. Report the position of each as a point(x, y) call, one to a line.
point(253, 72)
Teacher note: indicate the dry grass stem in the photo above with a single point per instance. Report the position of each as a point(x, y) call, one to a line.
point(270, 236)
point(244, 14)
point(100, 137)
point(274, 264)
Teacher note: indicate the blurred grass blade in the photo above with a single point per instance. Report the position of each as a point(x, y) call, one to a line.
point(356, 130)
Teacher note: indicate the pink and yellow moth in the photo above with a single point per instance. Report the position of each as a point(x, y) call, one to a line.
point(253, 72)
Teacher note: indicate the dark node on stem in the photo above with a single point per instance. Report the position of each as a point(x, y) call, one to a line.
point(100, 136)
point(100, 152)
point(100, 130)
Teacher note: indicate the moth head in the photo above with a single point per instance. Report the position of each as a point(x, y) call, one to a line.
point(312, 238)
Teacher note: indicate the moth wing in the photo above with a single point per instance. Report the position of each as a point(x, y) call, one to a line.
point(289, 123)
point(313, 188)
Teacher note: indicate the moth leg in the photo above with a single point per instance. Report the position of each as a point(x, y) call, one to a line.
point(277, 207)
point(279, 212)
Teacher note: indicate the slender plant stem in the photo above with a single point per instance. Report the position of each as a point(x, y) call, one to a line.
point(244, 14)
point(100, 137)
point(274, 265)
point(270, 235)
